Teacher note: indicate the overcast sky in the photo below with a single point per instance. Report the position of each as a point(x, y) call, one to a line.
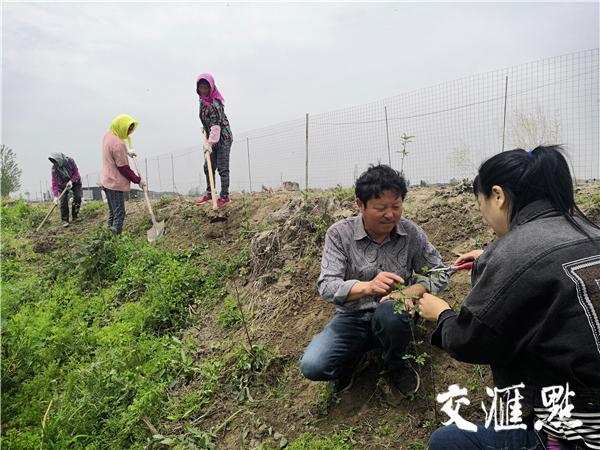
point(69, 68)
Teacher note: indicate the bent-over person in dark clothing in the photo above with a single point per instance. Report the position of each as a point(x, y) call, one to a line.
point(66, 174)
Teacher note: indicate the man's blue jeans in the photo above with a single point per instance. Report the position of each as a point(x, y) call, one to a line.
point(350, 335)
point(453, 438)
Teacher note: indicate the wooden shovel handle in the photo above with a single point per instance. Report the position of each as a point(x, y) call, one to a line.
point(51, 209)
point(211, 178)
point(145, 189)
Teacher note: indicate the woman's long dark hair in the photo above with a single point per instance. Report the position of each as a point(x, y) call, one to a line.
point(542, 173)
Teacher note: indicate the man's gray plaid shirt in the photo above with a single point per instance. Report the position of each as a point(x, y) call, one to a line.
point(350, 255)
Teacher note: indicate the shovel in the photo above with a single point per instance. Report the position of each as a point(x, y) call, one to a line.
point(52, 209)
point(158, 228)
point(211, 177)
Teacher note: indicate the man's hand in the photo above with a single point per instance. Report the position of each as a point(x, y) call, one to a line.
point(409, 295)
point(69, 185)
point(131, 152)
point(55, 200)
point(430, 307)
point(207, 148)
point(142, 184)
point(383, 283)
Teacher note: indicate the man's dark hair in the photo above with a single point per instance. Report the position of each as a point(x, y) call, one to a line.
point(378, 179)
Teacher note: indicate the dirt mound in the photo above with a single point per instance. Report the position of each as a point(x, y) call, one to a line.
point(297, 230)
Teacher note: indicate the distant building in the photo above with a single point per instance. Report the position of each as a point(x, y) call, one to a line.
point(92, 193)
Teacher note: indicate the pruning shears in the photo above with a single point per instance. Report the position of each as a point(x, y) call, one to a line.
point(452, 268)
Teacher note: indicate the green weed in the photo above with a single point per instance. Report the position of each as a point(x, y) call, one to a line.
point(245, 364)
point(90, 209)
point(417, 446)
point(343, 194)
point(231, 316)
point(338, 441)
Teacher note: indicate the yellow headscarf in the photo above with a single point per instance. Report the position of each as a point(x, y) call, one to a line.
point(120, 125)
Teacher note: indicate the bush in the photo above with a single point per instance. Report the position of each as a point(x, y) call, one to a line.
point(95, 333)
point(20, 216)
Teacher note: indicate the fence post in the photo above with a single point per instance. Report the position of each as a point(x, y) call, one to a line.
point(173, 173)
point(159, 178)
point(249, 172)
point(504, 123)
point(146, 164)
point(306, 151)
point(387, 135)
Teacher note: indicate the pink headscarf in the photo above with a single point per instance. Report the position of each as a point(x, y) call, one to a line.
point(214, 92)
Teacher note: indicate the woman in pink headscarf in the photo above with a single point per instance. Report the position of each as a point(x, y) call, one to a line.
point(216, 126)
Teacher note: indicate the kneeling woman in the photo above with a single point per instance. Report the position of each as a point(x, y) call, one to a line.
point(533, 313)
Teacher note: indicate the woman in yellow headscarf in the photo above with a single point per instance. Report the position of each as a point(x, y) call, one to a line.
point(116, 173)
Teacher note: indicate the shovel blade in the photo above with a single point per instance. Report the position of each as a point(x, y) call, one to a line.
point(157, 230)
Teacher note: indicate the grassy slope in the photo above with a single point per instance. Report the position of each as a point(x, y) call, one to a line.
point(141, 346)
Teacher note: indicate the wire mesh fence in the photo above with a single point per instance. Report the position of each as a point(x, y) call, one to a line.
point(434, 135)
